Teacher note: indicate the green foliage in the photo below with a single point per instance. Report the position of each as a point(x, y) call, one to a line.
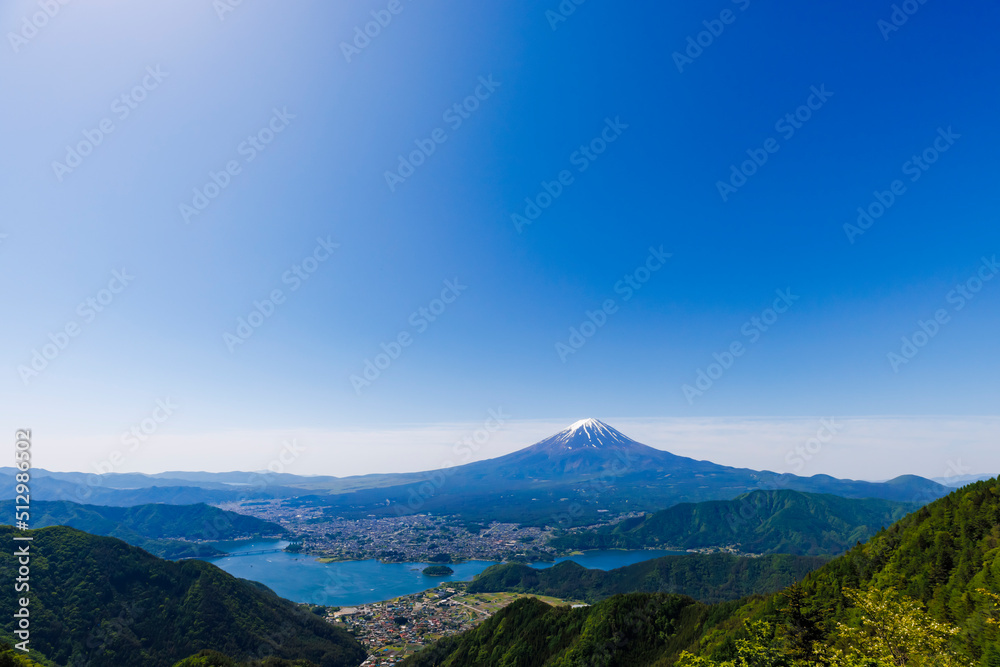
point(923, 593)
point(760, 522)
point(438, 571)
point(216, 659)
point(708, 578)
point(633, 629)
point(11, 657)
point(941, 556)
point(759, 648)
point(891, 629)
point(887, 630)
point(100, 602)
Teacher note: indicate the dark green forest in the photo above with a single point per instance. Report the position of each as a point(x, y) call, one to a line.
point(762, 522)
point(925, 591)
point(707, 578)
point(101, 602)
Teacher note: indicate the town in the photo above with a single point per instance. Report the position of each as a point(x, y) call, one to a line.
point(394, 629)
point(415, 538)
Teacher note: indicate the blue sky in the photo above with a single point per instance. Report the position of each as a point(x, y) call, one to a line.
point(344, 121)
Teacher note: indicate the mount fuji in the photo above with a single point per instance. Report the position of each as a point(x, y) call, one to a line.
point(578, 475)
point(588, 469)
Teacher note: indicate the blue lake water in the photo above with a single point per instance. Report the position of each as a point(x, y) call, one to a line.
point(304, 579)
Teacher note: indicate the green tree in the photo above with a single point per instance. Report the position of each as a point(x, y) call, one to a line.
point(892, 630)
point(760, 648)
point(803, 626)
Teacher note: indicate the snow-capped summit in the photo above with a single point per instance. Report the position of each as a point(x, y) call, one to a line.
point(589, 433)
point(586, 448)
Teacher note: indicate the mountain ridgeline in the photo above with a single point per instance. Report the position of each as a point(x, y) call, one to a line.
point(929, 586)
point(573, 477)
point(162, 530)
point(705, 577)
point(762, 522)
point(100, 602)
point(567, 479)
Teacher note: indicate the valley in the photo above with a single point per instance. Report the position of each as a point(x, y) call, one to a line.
point(360, 563)
point(413, 538)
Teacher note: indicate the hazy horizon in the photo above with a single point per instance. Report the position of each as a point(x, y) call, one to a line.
point(800, 445)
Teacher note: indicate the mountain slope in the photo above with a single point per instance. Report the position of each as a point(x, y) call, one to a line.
point(159, 529)
point(942, 556)
point(571, 477)
point(759, 522)
point(100, 600)
point(707, 578)
point(634, 630)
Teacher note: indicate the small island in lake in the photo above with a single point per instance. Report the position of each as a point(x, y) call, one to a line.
point(438, 571)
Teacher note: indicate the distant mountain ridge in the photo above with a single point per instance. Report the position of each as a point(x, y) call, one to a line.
point(573, 476)
point(163, 530)
point(569, 478)
point(958, 481)
point(763, 522)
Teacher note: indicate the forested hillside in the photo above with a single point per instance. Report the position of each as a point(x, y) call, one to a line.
point(925, 591)
point(634, 629)
point(101, 602)
point(707, 578)
point(761, 522)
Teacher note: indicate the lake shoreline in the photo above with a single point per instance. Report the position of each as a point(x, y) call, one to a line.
point(303, 578)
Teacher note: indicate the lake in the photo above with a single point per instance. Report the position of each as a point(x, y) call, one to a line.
point(345, 584)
